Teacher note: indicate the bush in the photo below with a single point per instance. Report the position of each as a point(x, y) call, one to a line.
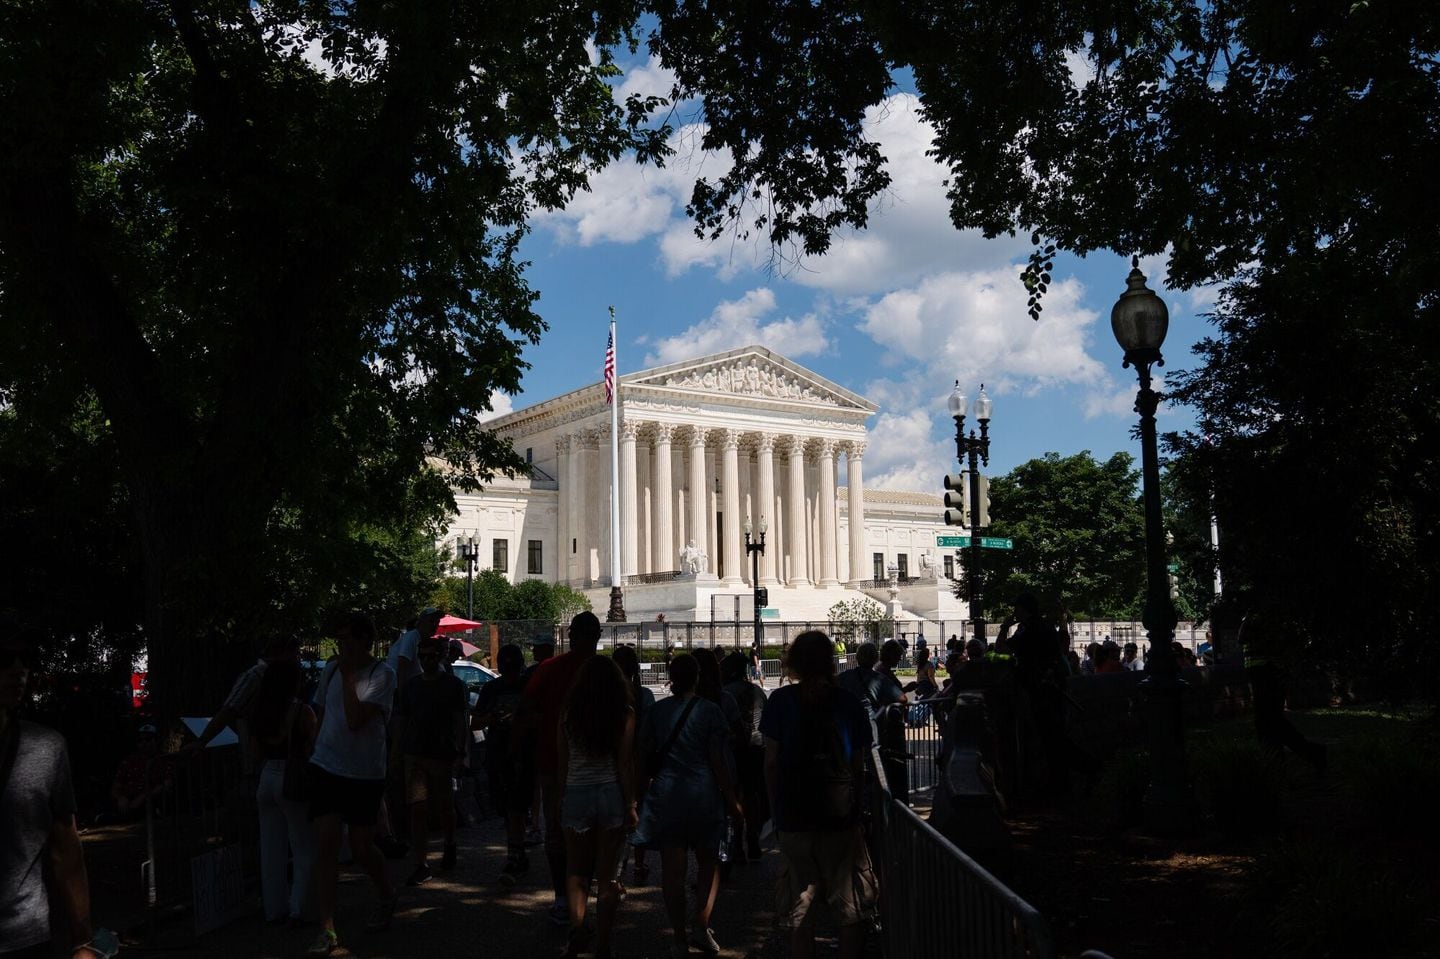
point(1319, 897)
point(1240, 785)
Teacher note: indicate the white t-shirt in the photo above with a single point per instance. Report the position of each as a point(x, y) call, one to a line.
point(408, 646)
point(359, 753)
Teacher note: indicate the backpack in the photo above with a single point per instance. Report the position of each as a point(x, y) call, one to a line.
point(821, 792)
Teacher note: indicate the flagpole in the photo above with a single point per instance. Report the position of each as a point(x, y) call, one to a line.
point(616, 613)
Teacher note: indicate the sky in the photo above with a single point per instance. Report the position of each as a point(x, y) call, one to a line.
point(896, 313)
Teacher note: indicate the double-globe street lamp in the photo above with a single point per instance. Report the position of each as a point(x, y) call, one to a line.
point(1140, 321)
point(469, 552)
point(977, 450)
point(755, 549)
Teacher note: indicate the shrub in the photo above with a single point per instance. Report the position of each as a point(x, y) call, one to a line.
point(1319, 897)
point(1240, 785)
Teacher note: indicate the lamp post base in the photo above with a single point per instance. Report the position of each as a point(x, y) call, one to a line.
point(616, 613)
point(1169, 806)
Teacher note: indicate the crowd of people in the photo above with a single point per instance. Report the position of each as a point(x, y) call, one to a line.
point(361, 761)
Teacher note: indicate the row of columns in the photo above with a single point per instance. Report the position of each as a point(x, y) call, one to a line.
point(582, 502)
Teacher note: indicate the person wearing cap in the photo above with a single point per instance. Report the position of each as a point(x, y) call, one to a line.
point(137, 781)
point(37, 806)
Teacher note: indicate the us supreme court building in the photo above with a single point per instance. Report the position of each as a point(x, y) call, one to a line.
point(705, 446)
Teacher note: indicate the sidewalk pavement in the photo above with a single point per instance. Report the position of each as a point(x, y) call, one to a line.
point(468, 914)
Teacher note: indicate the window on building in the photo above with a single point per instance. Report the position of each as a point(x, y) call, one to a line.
point(502, 555)
point(949, 566)
point(529, 454)
point(903, 561)
point(879, 566)
point(535, 565)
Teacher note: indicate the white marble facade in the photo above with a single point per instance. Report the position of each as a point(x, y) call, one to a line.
point(704, 446)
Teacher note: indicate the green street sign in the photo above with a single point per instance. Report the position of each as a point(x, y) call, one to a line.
point(997, 542)
point(1174, 567)
point(952, 541)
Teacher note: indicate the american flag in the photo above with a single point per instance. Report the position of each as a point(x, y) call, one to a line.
point(610, 368)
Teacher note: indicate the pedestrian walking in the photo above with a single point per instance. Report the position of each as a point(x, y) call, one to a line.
point(37, 806)
point(509, 760)
point(403, 657)
point(284, 733)
point(597, 781)
point(690, 792)
point(433, 732)
point(629, 662)
point(347, 772)
point(816, 735)
point(542, 707)
point(890, 714)
point(240, 702)
point(749, 757)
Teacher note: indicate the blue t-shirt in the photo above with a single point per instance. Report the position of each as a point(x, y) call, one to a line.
point(782, 722)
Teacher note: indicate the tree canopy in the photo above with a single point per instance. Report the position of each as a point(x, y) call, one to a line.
point(1079, 533)
point(279, 285)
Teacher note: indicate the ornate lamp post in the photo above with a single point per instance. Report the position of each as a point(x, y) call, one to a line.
point(469, 551)
point(977, 450)
point(1140, 321)
point(755, 550)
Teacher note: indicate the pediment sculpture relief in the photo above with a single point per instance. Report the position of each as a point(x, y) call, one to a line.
point(749, 379)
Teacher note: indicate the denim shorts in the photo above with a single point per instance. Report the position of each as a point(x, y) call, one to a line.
point(599, 806)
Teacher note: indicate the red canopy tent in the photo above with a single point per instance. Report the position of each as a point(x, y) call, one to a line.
point(454, 624)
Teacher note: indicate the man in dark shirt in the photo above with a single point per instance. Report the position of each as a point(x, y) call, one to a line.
point(816, 737)
point(509, 761)
point(433, 735)
point(1040, 676)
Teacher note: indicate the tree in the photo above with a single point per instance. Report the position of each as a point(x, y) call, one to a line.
point(859, 620)
point(284, 287)
point(1079, 533)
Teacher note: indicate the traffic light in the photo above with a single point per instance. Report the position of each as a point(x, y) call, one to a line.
point(957, 499)
point(982, 520)
point(762, 597)
point(1174, 587)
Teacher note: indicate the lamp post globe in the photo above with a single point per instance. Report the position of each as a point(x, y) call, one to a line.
point(1140, 321)
point(956, 403)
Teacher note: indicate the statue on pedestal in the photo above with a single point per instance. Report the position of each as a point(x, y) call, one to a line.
point(693, 559)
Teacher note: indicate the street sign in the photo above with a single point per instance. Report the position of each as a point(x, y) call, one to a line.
point(1174, 567)
point(952, 541)
point(997, 542)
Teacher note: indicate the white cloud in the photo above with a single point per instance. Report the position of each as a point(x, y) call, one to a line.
point(909, 234)
point(974, 325)
point(652, 80)
point(901, 451)
point(501, 403)
point(741, 322)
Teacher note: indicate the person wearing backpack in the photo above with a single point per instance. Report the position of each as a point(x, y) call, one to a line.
point(816, 735)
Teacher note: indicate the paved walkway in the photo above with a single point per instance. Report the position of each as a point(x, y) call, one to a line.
point(468, 914)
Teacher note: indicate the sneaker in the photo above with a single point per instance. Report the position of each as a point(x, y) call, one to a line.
point(419, 876)
point(447, 861)
point(704, 940)
point(324, 944)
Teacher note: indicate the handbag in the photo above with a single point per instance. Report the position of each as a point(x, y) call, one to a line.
point(656, 760)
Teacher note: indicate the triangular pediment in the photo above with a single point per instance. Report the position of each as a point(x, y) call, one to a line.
point(751, 373)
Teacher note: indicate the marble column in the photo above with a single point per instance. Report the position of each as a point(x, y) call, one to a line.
point(628, 523)
point(826, 480)
point(855, 488)
point(644, 518)
point(562, 510)
point(697, 496)
point(795, 508)
point(663, 499)
point(730, 533)
point(765, 502)
point(597, 506)
point(580, 558)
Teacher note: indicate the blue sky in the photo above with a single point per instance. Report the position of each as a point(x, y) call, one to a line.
point(896, 312)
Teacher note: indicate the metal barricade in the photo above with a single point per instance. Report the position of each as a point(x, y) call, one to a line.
point(201, 838)
point(923, 742)
point(935, 901)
